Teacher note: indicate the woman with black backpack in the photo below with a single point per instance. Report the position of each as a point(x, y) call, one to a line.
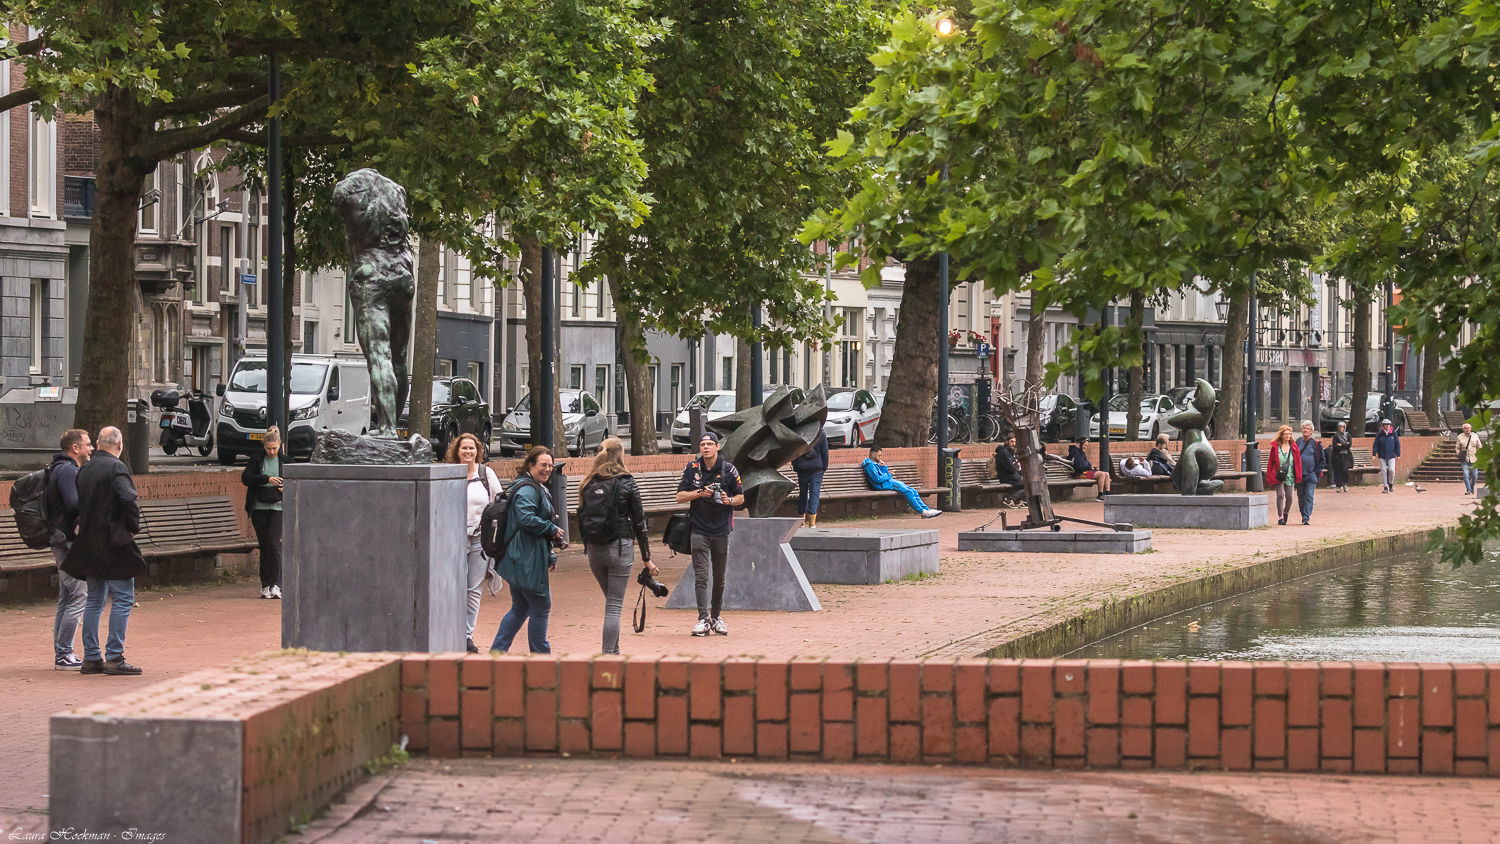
point(480, 489)
point(611, 520)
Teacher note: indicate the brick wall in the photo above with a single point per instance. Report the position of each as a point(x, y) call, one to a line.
point(1335, 717)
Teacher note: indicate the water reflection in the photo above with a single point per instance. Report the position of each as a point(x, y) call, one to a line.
point(1413, 609)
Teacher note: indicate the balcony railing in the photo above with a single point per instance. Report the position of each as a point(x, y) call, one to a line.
point(78, 197)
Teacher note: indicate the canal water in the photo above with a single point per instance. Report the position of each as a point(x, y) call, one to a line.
point(1407, 609)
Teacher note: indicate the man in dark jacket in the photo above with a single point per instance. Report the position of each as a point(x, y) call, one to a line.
point(1386, 448)
point(104, 554)
point(62, 506)
point(711, 488)
point(1314, 460)
point(1008, 470)
point(810, 466)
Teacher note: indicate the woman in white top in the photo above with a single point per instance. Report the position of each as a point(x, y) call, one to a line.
point(480, 489)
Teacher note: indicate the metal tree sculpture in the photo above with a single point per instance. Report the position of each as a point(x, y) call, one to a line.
point(760, 440)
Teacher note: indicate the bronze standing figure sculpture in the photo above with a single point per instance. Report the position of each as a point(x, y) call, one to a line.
point(760, 440)
point(381, 286)
point(1195, 470)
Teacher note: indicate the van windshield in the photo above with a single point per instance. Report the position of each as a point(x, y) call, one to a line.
point(713, 403)
point(250, 377)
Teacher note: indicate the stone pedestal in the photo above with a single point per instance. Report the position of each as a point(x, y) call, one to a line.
point(1057, 542)
point(1209, 512)
point(865, 555)
point(373, 558)
point(762, 572)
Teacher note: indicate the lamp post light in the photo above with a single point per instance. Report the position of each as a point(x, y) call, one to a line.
point(947, 458)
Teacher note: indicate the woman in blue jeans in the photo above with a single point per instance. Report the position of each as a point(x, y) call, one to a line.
point(530, 530)
point(810, 467)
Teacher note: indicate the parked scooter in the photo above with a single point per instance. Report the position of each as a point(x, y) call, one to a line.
point(193, 427)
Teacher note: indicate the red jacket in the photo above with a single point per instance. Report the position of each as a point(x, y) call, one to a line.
point(1273, 465)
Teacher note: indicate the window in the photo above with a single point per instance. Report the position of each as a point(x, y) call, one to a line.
point(477, 287)
point(726, 377)
point(771, 360)
point(576, 294)
point(446, 367)
point(150, 205)
point(575, 377)
point(185, 201)
point(351, 338)
point(599, 303)
point(601, 382)
point(676, 386)
point(43, 163)
point(620, 402)
point(474, 371)
point(253, 243)
point(307, 287)
point(38, 323)
point(228, 241)
point(309, 338)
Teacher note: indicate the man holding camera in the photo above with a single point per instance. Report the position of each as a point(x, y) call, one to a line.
point(711, 488)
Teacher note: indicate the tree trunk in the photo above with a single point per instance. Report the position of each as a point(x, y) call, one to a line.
point(1432, 362)
point(1036, 344)
point(114, 300)
point(907, 416)
point(424, 337)
point(531, 290)
point(1358, 398)
point(637, 362)
point(741, 373)
point(1229, 417)
point(1134, 375)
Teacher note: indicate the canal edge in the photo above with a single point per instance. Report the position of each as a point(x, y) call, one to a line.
point(1121, 615)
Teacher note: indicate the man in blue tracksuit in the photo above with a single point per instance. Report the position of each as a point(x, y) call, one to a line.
point(878, 476)
point(1314, 460)
point(1386, 448)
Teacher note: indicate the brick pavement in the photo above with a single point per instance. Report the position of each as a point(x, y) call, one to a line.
point(977, 598)
point(617, 800)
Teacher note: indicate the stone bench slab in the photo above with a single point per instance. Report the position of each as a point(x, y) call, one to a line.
point(1208, 512)
point(1057, 542)
point(865, 555)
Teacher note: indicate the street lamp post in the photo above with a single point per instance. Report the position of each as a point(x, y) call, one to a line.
point(276, 362)
point(947, 458)
point(1387, 401)
point(541, 406)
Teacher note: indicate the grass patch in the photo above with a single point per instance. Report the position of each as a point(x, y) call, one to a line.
point(914, 577)
point(396, 756)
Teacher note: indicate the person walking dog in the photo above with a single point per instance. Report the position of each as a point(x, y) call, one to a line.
point(810, 466)
point(1386, 448)
point(612, 522)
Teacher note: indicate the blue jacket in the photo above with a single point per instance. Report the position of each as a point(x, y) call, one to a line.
point(815, 459)
point(528, 545)
point(877, 475)
point(1386, 445)
point(1314, 458)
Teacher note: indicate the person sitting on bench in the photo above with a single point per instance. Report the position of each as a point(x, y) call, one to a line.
point(1160, 460)
point(1132, 467)
point(1078, 463)
point(1008, 472)
point(878, 476)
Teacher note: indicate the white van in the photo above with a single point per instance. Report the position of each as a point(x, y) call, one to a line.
point(328, 394)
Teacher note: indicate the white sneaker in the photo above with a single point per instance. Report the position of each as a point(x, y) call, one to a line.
point(701, 628)
point(717, 625)
point(276, 592)
point(928, 514)
point(265, 591)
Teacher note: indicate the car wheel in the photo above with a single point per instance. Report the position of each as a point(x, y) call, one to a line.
point(507, 452)
point(579, 446)
point(226, 458)
point(856, 437)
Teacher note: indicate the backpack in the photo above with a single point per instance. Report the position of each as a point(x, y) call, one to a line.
point(596, 511)
point(28, 498)
point(493, 535)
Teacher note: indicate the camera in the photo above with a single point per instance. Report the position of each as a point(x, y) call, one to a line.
point(718, 490)
point(657, 588)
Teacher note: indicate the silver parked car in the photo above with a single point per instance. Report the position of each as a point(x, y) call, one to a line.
point(584, 424)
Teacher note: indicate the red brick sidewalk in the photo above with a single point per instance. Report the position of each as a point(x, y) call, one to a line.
point(617, 800)
point(978, 599)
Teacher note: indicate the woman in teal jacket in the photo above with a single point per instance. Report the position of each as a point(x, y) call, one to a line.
point(530, 531)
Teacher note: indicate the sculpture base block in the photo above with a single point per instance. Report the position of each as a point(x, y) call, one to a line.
point(762, 572)
point(865, 555)
point(1057, 542)
point(373, 558)
point(1209, 512)
point(346, 449)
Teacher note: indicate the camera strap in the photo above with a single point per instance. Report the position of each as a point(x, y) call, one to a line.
point(638, 615)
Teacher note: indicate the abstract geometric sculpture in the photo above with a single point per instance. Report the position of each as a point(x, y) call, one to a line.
point(1196, 467)
point(760, 440)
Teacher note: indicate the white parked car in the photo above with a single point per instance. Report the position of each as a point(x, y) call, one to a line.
point(584, 426)
point(715, 404)
point(853, 416)
point(1155, 411)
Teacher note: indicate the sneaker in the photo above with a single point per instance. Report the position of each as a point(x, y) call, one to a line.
point(91, 666)
point(470, 646)
point(701, 628)
point(1281, 521)
point(1306, 522)
point(275, 592)
point(67, 662)
point(928, 514)
point(120, 667)
point(717, 625)
point(265, 591)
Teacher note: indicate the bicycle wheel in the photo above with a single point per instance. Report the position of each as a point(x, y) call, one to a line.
point(989, 428)
point(958, 429)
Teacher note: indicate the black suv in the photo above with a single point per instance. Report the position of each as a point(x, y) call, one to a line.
point(457, 408)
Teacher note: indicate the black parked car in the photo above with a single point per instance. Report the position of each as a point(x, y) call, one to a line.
point(1333, 414)
point(457, 408)
point(1059, 417)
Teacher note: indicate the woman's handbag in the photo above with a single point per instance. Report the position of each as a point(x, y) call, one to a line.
point(679, 533)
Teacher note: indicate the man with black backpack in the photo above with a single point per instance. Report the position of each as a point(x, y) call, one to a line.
point(61, 500)
point(711, 488)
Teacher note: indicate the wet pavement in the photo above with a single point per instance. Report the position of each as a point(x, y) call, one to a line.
point(580, 800)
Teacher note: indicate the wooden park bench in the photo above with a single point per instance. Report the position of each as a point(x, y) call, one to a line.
point(171, 527)
point(1454, 420)
point(1124, 483)
point(1419, 422)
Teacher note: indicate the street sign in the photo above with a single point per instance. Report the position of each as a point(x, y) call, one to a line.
point(982, 350)
point(247, 278)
